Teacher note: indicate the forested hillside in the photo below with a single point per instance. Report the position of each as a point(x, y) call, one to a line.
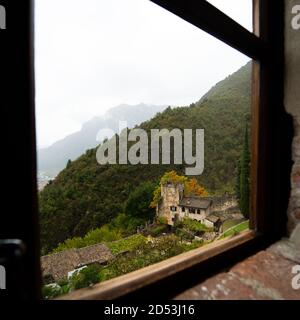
point(87, 195)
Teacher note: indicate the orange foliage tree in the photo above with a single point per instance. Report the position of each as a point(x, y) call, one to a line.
point(191, 186)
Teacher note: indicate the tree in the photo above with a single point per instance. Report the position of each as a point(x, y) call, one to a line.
point(69, 163)
point(86, 277)
point(245, 177)
point(238, 180)
point(138, 203)
point(191, 186)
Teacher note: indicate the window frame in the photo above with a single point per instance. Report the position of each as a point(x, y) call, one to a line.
point(267, 219)
point(270, 163)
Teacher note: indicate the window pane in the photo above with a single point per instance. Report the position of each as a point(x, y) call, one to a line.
point(109, 65)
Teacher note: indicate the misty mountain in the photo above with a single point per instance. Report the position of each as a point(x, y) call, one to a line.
point(86, 195)
point(54, 158)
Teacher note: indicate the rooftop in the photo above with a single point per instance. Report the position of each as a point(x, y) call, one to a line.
point(195, 202)
point(58, 265)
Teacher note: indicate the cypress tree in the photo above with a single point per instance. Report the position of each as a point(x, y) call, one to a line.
point(238, 180)
point(245, 177)
point(69, 163)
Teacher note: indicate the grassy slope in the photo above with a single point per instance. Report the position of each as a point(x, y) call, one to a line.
point(236, 229)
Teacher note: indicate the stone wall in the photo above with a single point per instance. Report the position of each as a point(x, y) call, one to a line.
point(292, 105)
point(171, 195)
point(223, 203)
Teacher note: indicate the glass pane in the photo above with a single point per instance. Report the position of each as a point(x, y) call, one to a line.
point(238, 10)
point(109, 65)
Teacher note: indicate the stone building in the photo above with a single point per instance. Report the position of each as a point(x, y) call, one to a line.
point(173, 206)
point(57, 266)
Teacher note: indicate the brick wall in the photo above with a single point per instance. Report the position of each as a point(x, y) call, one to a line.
point(292, 105)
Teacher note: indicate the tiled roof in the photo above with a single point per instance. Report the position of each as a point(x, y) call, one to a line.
point(195, 202)
point(58, 265)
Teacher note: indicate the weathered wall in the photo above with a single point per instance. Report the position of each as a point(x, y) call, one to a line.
point(224, 203)
point(292, 105)
point(170, 197)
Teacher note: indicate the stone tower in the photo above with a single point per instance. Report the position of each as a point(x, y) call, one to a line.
point(171, 194)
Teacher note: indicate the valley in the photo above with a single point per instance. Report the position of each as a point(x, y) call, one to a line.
point(121, 207)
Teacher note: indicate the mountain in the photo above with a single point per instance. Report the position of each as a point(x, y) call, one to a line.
point(54, 158)
point(87, 195)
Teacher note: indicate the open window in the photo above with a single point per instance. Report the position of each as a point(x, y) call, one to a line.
point(268, 200)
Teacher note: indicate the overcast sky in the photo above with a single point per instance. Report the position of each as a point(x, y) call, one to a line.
point(95, 54)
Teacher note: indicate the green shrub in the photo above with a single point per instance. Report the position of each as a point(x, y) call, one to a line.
point(158, 230)
point(105, 233)
point(69, 244)
point(65, 289)
point(85, 277)
point(194, 225)
point(51, 291)
point(193, 245)
point(138, 203)
point(127, 244)
point(178, 224)
point(184, 234)
point(127, 224)
point(63, 282)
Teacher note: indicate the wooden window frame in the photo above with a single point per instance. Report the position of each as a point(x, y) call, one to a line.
point(270, 163)
point(267, 220)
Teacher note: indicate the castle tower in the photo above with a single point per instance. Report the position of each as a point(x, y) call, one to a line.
point(171, 194)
